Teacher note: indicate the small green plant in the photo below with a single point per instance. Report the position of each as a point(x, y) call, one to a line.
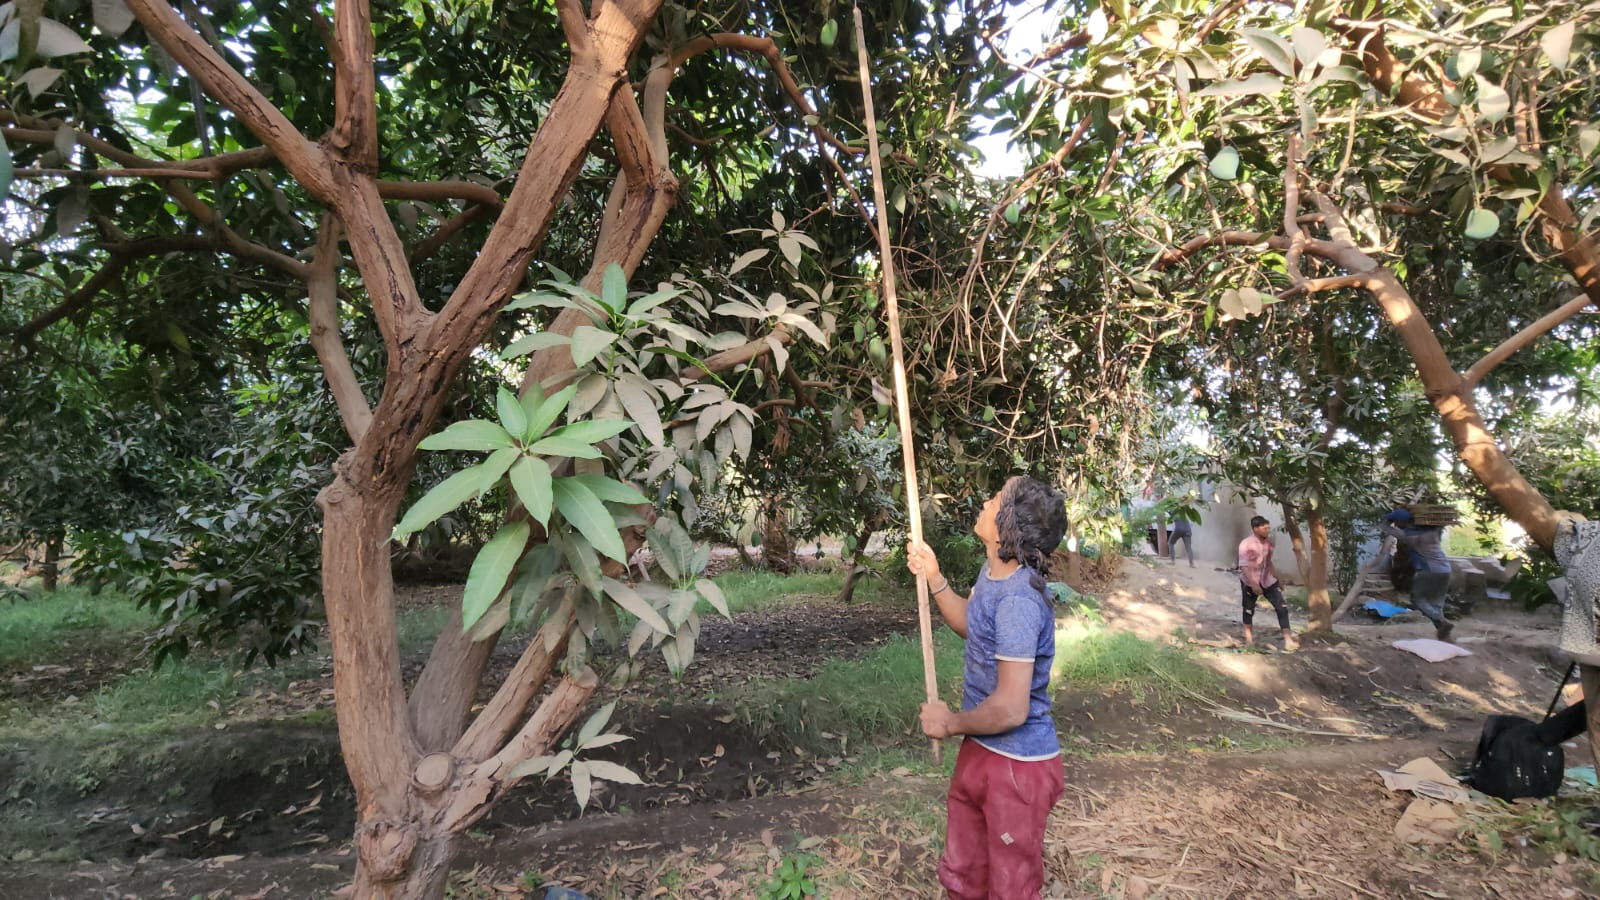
point(592, 736)
point(792, 881)
point(1561, 826)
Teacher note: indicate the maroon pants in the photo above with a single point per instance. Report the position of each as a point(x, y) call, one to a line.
point(994, 839)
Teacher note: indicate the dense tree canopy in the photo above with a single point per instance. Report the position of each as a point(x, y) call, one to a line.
point(325, 250)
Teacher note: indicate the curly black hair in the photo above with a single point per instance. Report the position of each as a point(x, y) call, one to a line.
point(1031, 522)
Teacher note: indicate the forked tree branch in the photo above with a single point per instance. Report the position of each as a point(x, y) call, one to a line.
point(489, 731)
point(322, 290)
point(486, 781)
point(574, 24)
point(308, 162)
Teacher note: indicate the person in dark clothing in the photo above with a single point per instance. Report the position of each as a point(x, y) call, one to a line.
point(1430, 578)
point(1181, 529)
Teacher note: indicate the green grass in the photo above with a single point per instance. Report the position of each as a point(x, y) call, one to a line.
point(29, 628)
point(1090, 656)
point(747, 590)
point(420, 627)
point(869, 700)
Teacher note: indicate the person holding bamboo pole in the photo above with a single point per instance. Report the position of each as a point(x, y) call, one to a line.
point(1008, 774)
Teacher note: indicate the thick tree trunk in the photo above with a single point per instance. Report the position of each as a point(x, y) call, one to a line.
point(777, 550)
point(1449, 392)
point(858, 566)
point(1317, 599)
point(1074, 556)
point(50, 573)
point(374, 723)
point(1458, 411)
point(1297, 542)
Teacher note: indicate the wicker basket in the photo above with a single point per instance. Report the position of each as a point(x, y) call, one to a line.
point(1434, 515)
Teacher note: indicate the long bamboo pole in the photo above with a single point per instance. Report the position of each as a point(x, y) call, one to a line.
point(901, 395)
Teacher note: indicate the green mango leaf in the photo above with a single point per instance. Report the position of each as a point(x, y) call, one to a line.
point(530, 478)
point(1493, 101)
point(584, 511)
point(611, 490)
point(581, 784)
point(713, 594)
point(593, 431)
point(1588, 139)
point(532, 343)
point(540, 418)
point(472, 434)
point(1275, 50)
point(1481, 223)
point(1308, 45)
point(830, 33)
point(583, 561)
point(494, 468)
point(587, 343)
point(1225, 165)
point(441, 500)
point(534, 575)
point(614, 289)
point(490, 571)
point(512, 416)
point(610, 771)
point(6, 169)
point(556, 445)
point(630, 600)
point(634, 394)
point(595, 724)
point(1557, 44)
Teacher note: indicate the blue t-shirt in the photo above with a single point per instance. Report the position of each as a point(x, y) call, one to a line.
point(1008, 619)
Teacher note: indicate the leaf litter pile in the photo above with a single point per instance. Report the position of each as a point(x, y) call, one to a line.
point(1276, 831)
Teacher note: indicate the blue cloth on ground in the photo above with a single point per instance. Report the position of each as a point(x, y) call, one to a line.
point(1384, 608)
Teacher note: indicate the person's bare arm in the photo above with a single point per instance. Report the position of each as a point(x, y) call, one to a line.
point(921, 559)
point(1000, 712)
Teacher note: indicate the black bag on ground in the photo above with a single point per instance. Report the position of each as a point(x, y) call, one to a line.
point(1519, 757)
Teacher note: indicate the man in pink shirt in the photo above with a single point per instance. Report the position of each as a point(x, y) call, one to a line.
point(1258, 578)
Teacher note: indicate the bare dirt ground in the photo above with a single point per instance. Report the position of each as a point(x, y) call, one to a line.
point(1169, 795)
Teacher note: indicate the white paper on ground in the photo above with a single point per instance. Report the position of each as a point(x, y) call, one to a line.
point(1431, 650)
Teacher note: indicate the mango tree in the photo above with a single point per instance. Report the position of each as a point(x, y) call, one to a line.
point(408, 146)
point(1260, 163)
